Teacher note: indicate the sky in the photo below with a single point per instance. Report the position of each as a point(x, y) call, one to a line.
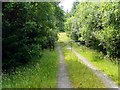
point(67, 5)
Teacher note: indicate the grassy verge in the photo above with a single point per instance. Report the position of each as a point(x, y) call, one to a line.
point(80, 75)
point(97, 58)
point(40, 73)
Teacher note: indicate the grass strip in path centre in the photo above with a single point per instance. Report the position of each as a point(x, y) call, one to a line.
point(97, 58)
point(80, 75)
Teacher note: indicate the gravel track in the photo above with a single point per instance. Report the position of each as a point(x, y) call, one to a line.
point(63, 79)
point(108, 82)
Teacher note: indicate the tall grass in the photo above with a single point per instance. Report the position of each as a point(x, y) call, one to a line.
point(100, 61)
point(40, 73)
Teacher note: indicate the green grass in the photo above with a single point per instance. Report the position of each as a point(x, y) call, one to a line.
point(80, 75)
point(62, 37)
point(97, 58)
point(40, 73)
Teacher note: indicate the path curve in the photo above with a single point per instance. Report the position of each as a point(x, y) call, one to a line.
point(108, 82)
point(63, 79)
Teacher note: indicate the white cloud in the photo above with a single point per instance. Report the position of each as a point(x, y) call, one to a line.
point(67, 4)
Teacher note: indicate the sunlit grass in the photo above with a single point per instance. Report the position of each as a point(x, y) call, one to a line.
point(62, 37)
point(40, 73)
point(80, 75)
point(97, 58)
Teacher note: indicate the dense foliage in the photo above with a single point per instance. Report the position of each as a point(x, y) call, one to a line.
point(97, 25)
point(28, 28)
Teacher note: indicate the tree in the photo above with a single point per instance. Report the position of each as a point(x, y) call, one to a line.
point(98, 25)
point(28, 28)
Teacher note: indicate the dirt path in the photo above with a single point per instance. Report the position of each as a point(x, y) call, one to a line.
point(108, 82)
point(63, 79)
